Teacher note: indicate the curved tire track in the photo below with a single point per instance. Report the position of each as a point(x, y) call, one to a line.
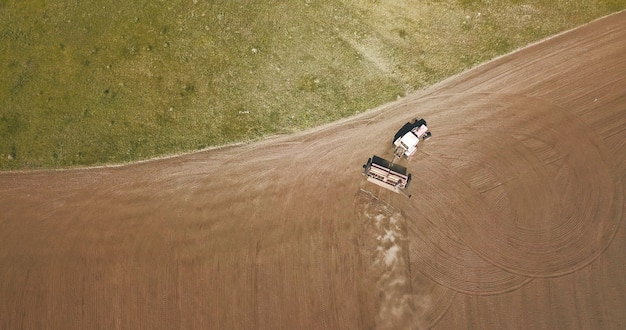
point(545, 201)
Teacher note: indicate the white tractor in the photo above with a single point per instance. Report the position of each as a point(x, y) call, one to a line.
point(407, 138)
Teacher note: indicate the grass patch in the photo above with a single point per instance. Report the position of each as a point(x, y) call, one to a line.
point(120, 81)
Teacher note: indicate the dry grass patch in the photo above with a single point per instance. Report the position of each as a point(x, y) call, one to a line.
point(87, 84)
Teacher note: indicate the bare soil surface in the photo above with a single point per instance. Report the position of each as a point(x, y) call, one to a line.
point(514, 220)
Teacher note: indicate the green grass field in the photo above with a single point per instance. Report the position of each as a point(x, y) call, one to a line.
point(119, 81)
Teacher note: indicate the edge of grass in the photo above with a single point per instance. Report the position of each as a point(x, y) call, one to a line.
point(87, 85)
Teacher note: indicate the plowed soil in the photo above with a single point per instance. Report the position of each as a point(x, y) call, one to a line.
point(514, 220)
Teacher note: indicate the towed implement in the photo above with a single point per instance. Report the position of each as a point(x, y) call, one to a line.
point(387, 174)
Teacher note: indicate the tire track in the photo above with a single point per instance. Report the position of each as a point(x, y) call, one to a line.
point(546, 200)
point(441, 256)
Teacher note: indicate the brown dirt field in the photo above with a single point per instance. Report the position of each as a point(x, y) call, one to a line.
point(514, 220)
